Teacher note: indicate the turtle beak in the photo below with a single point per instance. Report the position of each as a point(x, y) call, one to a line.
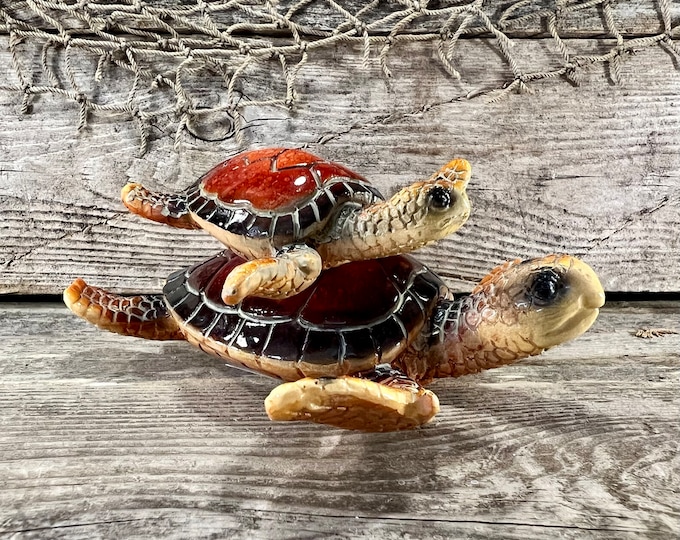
point(586, 283)
point(580, 306)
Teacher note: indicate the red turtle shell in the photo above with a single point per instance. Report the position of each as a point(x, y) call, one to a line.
point(353, 317)
point(287, 193)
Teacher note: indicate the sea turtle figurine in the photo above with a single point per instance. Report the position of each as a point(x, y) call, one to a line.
point(359, 344)
point(290, 214)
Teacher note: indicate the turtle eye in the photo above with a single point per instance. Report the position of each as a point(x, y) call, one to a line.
point(440, 198)
point(546, 287)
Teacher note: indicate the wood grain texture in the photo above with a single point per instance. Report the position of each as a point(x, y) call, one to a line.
point(574, 19)
point(592, 171)
point(106, 436)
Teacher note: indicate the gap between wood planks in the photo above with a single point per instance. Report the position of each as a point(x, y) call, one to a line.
point(612, 297)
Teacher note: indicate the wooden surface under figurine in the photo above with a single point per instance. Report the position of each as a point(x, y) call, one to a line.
point(104, 435)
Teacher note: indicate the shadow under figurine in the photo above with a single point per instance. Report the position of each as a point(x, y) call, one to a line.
point(291, 214)
point(359, 343)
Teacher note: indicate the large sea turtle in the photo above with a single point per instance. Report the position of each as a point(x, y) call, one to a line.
point(359, 344)
point(290, 214)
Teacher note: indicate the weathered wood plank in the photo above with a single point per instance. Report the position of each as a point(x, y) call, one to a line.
point(592, 170)
point(103, 435)
point(573, 19)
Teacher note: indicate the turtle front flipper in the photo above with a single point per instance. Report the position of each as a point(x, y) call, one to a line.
point(142, 316)
point(292, 270)
point(167, 208)
point(382, 399)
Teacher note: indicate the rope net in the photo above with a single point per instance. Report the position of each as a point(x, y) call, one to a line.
point(146, 47)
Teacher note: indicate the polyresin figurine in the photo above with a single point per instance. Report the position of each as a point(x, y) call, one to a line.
point(290, 214)
point(358, 344)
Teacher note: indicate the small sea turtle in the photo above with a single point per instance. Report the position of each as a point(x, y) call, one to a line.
point(290, 214)
point(359, 344)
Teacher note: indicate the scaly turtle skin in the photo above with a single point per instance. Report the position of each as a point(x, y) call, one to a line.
point(358, 345)
point(290, 214)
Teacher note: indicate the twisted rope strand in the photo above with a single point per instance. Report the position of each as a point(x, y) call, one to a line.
point(162, 46)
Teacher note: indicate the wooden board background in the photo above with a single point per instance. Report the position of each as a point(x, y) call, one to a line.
point(103, 436)
point(591, 170)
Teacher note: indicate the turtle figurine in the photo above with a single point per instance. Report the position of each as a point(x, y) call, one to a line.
point(290, 214)
point(357, 347)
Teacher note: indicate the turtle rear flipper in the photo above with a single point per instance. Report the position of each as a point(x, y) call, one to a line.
point(167, 208)
point(142, 316)
point(382, 399)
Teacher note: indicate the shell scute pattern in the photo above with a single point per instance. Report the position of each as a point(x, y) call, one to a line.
point(202, 317)
point(321, 347)
point(412, 314)
point(286, 341)
point(423, 290)
point(360, 344)
point(353, 303)
point(271, 179)
point(223, 328)
point(389, 335)
point(294, 157)
point(276, 193)
point(252, 337)
point(260, 227)
point(207, 272)
point(371, 318)
point(281, 310)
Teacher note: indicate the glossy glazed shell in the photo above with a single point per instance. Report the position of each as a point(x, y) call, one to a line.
point(279, 193)
point(354, 317)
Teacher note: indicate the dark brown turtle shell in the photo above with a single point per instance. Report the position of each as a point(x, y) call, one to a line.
point(280, 193)
point(354, 317)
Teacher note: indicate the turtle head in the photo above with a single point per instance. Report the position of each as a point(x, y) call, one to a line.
point(523, 308)
point(412, 218)
point(434, 208)
point(544, 301)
